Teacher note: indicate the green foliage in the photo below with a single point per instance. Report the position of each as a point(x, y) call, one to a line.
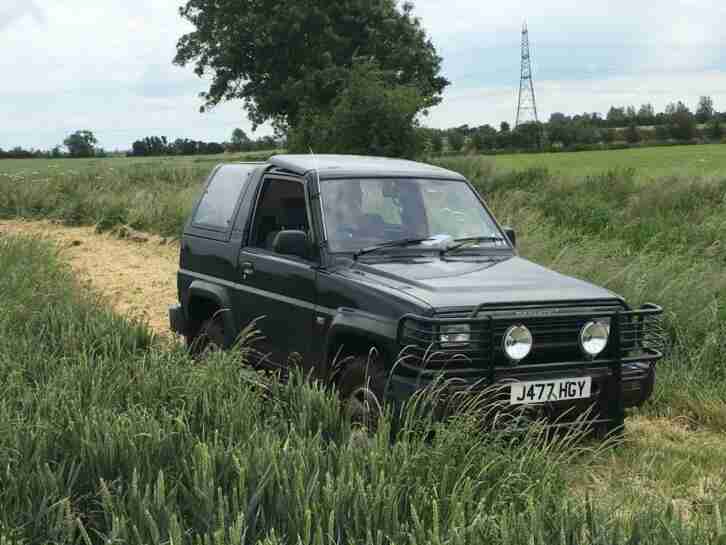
point(81, 144)
point(632, 134)
point(240, 141)
point(455, 139)
point(372, 115)
point(681, 122)
point(153, 196)
point(107, 437)
point(705, 110)
point(437, 143)
point(715, 130)
point(286, 62)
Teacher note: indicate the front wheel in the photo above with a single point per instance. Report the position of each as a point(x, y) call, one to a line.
point(361, 387)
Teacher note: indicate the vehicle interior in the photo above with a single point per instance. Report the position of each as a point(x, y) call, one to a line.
point(281, 207)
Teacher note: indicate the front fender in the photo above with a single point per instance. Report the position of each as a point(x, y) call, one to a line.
point(379, 331)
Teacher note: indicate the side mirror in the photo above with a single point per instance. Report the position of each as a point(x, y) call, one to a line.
point(292, 243)
point(511, 235)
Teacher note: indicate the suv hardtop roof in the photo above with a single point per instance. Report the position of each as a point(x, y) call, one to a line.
point(337, 166)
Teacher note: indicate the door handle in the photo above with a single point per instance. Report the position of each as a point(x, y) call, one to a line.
point(248, 269)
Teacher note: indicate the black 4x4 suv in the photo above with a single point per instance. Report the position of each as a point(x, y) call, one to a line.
point(340, 254)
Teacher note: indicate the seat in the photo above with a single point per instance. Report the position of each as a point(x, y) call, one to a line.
point(270, 239)
point(267, 226)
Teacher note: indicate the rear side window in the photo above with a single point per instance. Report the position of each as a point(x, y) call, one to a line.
point(217, 205)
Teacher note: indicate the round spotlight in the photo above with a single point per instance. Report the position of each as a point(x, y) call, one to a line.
point(517, 343)
point(594, 337)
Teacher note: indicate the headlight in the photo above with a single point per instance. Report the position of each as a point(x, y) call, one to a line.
point(454, 335)
point(594, 337)
point(517, 342)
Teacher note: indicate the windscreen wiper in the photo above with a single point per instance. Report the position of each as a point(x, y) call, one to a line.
point(390, 244)
point(462, 242)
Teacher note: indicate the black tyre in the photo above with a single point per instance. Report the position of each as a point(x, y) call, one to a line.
point(361, 387)
point(209, 338)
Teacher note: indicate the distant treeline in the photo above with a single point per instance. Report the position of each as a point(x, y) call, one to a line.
point(621, 127)
point(160, 145)
point(20, 153)
point(83, 144)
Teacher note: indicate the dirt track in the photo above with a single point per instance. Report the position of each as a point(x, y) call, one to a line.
point(135, 275)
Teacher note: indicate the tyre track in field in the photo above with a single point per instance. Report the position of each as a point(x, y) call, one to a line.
point(136, 276)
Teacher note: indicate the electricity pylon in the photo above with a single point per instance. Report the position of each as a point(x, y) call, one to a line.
point(527, 104)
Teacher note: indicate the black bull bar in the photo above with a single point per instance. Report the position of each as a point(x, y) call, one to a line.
point(635, 344)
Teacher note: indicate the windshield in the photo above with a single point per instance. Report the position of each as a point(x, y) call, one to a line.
point(365, 212)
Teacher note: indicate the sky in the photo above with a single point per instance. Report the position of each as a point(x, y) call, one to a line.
point(105, 65)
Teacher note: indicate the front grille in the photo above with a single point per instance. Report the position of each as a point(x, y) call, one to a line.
point(556, 337)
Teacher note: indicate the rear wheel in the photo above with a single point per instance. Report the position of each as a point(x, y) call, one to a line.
point(361, 386)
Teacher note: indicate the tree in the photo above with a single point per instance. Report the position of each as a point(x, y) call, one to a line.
point(646, 115)
point(240, 141)
point(81, 144)
point(560, 129)
point(616, 117)
point(477, 141)
point(504, 137)
point(455, 139)
point(682, 124)
point(287, 63)
point(370, 116)
point(715, 129)
point(632, 135)
point(662, 133)
point(437, 142)
point(630, 114)
point(527, 136)
point(704, 110)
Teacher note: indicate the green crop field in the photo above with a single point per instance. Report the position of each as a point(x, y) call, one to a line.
point(701, 160)
point(108, 435)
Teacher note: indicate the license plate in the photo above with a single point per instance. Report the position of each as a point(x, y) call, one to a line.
point(544, 391)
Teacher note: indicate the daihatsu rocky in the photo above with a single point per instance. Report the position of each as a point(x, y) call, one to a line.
point(335, 255)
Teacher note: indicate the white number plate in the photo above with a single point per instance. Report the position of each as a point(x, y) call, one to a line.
point(543, 391)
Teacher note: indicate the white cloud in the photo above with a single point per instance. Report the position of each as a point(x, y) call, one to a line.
point(17, 9)
point(106, 64)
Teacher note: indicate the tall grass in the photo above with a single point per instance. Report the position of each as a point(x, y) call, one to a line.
point(154, 196)
point(105, 437)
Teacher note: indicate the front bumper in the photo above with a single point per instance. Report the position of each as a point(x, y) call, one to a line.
point(636, 385)
point(623, 376)
point(177, 319)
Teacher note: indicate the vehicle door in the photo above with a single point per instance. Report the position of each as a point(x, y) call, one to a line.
point(278, 290)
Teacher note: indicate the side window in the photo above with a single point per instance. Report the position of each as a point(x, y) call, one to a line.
point(281, 207)
point(217, 205)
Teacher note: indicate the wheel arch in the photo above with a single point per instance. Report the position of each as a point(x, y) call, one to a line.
point(203, 300)
point(357, 332)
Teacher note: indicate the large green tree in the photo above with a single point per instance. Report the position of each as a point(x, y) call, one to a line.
point(704, 110)
point(370, 115)
point(240, 140)
point(81, 144)
point(277, 56)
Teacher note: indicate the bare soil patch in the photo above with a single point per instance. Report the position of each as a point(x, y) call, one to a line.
point(136, 275)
